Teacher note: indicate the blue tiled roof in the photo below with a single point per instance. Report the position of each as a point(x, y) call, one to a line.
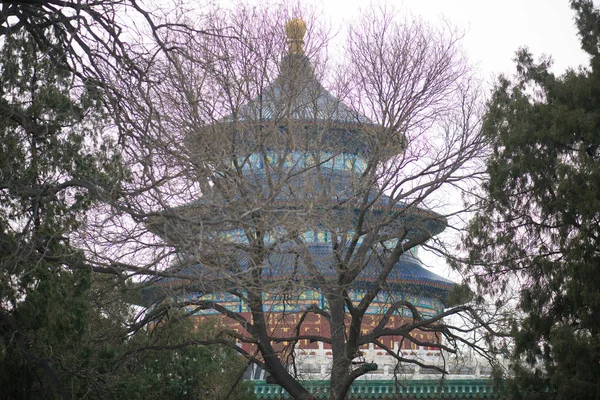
point(415, 219)
point(296, 93)
point(407, 276)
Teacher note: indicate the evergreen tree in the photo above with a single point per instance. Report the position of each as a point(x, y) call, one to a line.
point(53, 162)
point(63, 325)
point(169, 362)
point(540, 227)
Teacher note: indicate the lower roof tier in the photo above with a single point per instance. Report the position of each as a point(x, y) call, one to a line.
point(286, 272)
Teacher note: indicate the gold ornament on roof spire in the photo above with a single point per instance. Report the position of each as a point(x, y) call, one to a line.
point(295, 30)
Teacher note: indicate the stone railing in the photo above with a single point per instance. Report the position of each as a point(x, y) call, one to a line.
point(315, 365)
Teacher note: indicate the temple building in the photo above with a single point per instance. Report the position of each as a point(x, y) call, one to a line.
point(297, 158)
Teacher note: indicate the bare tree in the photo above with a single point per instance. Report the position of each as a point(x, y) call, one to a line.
point(293, 215)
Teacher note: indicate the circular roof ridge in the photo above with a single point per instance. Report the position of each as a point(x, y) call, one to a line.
point(297, 93)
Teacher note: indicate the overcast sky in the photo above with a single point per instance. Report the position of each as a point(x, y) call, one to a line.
point(494, 30)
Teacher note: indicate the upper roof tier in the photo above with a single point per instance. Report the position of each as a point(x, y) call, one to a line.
point(297, 104)
point(296, 93)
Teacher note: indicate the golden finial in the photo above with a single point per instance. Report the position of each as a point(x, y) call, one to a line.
point(295, 29)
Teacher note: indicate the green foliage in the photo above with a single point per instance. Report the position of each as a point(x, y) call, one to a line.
point(541, 224)
point(51, 169)
point(166, 363)
point(460, 294)
point(63, 326)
